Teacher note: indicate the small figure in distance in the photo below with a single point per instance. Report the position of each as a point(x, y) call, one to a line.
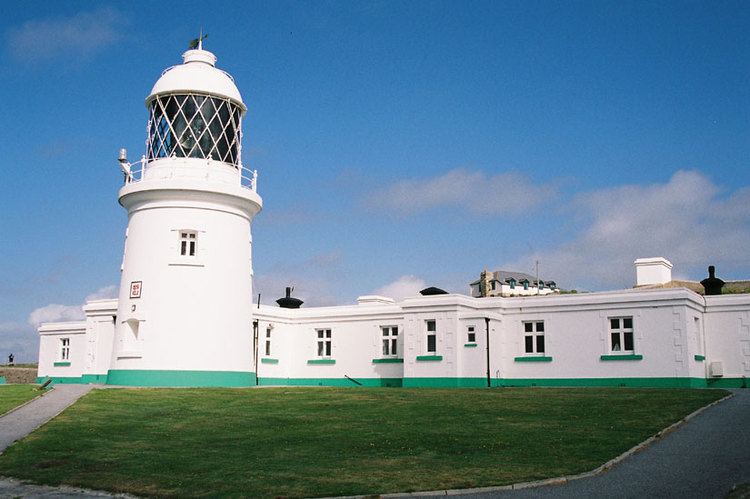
point(10, 359)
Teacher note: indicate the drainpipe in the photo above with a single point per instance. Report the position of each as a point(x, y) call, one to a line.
point(487, 340)
point(255, 346)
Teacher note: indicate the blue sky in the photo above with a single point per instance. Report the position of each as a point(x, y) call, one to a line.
point(398, 144)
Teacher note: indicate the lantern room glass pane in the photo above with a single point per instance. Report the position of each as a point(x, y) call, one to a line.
point(194, 126)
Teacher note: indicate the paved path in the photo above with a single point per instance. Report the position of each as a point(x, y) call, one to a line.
point(21, 422)
point(704, 458)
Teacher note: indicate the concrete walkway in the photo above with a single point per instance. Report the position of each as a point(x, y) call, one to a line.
point(22, 421)
point(704, 458)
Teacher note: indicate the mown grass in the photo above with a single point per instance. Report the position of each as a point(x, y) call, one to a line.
point(313, 442)
point(14, 395)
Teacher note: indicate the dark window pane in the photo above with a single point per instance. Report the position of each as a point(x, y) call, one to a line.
point(472, 337)
point(320, 334)
point(614, 323)
point(431, 325)
point(385, 347)
point(628, 341)
point(394, 330)
point(528, 327)
point(540, 344)
point(540, 327)
point(183, 248)
point(320, 349)
point(268, 348)
point(627, 323)
point(328, 348)
point(529, 344)
point(393, 347)
point(431, 343)
point(616, 342)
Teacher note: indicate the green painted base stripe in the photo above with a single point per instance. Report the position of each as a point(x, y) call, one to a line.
point(61, 380)
point(388, 361)
point(605, 382)
point(429, 357)
point(136, 377)
point(621, 357)
point(2, 380)
point(470, 345)
point(338, 382)
point(94, 379)
point(61, 364)
point(699, 357)
point(321, 361)
point(269, 360)
point(728, 382)
point(533, 359)
point(445, 382)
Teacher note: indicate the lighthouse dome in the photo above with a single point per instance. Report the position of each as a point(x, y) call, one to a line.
point(195, 112)
point(198, 73)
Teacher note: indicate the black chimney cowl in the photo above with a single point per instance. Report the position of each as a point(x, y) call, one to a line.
point(288, 301)
point(432, 290)
point(712, 285)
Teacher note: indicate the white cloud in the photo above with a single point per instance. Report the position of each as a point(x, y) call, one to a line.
point(80, 35)
point(403, 287)
point(684, 220)
point(105, 293)
point(56, 313)
point(507, 193)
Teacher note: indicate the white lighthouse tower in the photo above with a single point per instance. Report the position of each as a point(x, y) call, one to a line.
point(184, 316)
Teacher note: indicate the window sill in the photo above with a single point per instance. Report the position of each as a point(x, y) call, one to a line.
point(699, 358)
point(432, 358)
point(129, 355)
point(61, 364)
point(533, 359)
point(388, 360)
point(469, 345)
point(269, 360)
point(186, 264)
point(621, 357)
point(321, 361)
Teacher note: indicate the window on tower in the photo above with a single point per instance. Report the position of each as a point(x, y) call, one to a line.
point(194, 126)
point(188, 241)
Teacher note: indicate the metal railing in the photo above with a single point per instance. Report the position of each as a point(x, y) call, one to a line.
point(135, 172)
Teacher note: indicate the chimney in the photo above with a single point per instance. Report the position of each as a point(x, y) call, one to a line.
point(288, 301)
point(712, 285)
point(657, 270)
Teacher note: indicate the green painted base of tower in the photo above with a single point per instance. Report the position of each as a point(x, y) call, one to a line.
point(126, 377)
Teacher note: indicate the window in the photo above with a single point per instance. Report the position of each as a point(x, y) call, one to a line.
point(187, 243)
point(525, 283)
point(390, 341)
point(512, 283)
point(471, 336)
point(268, 341)
point(492, 284)
point(533, 337)
point(621, 334)
point(65, 349)
point(431, 336)
point(324, 343)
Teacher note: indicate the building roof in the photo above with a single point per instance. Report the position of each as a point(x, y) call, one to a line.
point(502, 275)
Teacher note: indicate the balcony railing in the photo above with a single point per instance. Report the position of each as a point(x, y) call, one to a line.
point(135, 172)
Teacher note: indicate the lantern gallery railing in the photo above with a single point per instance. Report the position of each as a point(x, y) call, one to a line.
point(136, 172)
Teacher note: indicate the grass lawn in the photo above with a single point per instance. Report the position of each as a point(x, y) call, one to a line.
point(14, 395)
point(313, 442)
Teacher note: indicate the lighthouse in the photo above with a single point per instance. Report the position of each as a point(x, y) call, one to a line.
point(184, 314)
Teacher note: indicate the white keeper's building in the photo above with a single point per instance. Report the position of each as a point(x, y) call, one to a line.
point(184, 315)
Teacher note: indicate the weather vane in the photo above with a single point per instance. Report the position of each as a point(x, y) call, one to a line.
point(197, 43)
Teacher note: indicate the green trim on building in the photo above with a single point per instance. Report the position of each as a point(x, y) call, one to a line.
point(604, 382)
point(321, 361)
point(445, 382)
point(269, 360)
point(621, 357)
point(532, 359)
point(61, 364)
point(388, 361)
point(728, 382)
point(430, 358)
point(469, 345)
point(335, 382)
point(138, 377)
point(2, 380)
point(699, 357)
point(94, 379)
point(60, 380)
